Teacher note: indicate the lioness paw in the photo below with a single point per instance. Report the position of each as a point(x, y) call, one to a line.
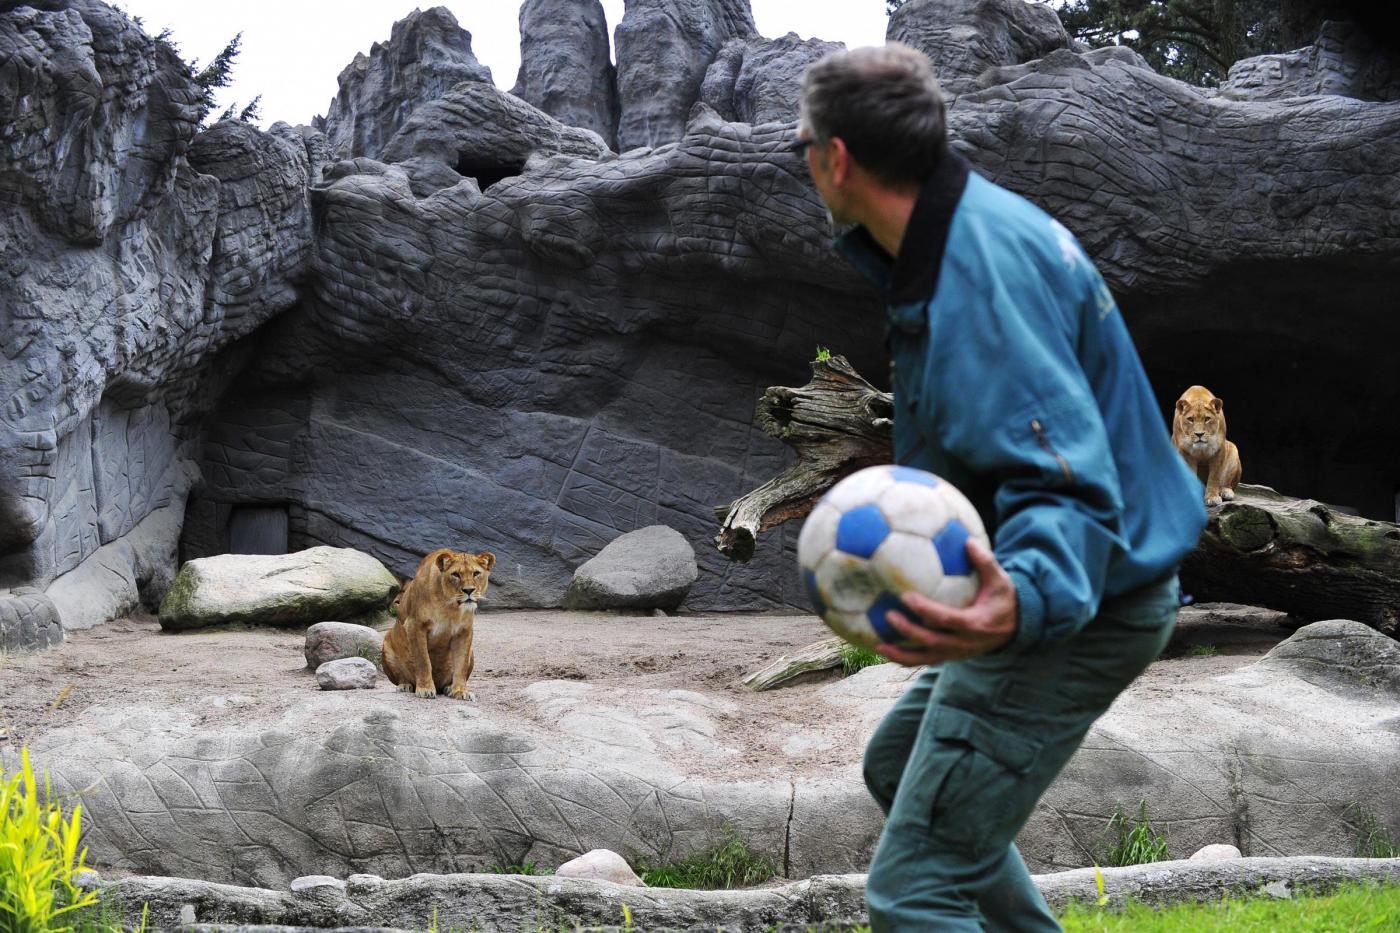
point(428, 693)
point(1213, 500)
point(462, 693)
point(1227, 494)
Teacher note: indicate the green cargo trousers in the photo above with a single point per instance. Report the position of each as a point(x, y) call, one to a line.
point(960, 761)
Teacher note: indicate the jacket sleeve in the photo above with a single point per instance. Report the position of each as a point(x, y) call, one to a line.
point(1015, 407)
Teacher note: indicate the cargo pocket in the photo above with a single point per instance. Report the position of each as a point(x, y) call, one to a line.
point(990, 789)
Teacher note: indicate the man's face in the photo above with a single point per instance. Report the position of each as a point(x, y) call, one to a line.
point(823, 162)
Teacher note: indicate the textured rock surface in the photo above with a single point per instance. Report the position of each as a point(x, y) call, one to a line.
point(599, 865)
point(1344, 60)
point(328, 641)
point(758, 80)
point(347, 674)
point(650, 568)
point(283, 589)
point(566, 66)
point(964, 38)
point(498, 902)
point(427, 54)
point(28, 621)
point(664, 48)
point(1215, 852)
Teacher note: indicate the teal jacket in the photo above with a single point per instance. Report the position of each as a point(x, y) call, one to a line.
point(1015, 379)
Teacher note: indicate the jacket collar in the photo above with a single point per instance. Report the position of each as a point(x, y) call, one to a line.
point(912, 277)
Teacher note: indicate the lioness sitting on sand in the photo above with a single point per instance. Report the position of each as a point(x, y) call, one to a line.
point(429, 649)
point(1198, 430)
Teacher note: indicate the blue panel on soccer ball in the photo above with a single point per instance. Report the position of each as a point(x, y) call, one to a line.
point(903, 474)
point(809, 579)
point(861, 531)
point(951, 545)
point(876, 615)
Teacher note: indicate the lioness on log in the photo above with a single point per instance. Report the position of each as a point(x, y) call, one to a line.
point(1198, 431)
point(429, 649)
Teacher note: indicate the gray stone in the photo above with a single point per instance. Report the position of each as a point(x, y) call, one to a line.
point(566, 65)
point(651, 568)
point(28, 622)
point(964, 38)
point(331, 641)
point(282, 589)
point(1340, 656)
point(313, 882)
point(600, 865)
point(427, 53)
point(347, 674)
point(1215, 852)
point(664, 48)
point(758, 80)
point(187, 915)
point(1345, 60)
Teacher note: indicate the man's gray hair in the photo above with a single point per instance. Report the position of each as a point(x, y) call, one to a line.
point(884, 103)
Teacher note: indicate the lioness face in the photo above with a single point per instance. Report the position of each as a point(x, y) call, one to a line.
point(464, 577)
point(1200, 422)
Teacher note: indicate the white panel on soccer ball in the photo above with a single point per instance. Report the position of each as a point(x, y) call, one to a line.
point(960, 507)
point(818, 535)
point(957, 592)
point(915, 508)
point(848, 583)
point(908, 562)
point(861, 487)
point(854, 627)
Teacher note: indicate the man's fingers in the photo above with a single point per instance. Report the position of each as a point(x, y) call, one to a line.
point(909, 658)
point(933, 613)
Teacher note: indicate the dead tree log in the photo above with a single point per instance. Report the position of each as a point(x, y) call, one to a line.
point(1262, 549)
point(838, 423)
point(1298, 555)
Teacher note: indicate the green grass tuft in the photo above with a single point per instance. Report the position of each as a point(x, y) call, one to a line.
point(1204, 651)
point(1372, 840)
point(1136, 844)
point(523, 868)
point(855, 658)
point(823, 354)
point(728, 865)
point(1359, 908)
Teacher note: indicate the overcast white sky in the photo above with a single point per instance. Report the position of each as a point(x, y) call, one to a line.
point(293, 49)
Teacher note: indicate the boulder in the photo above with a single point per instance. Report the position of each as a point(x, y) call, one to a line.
point(1345, 60)
point(758, 80)
point(330, 641)
point(651, 568)
point(28, 621)
point(347, 674)
point(566, 66)
point(600, 865)
point(1215, 852)
point(427, 53)
point(283, 589)
point(964, 38)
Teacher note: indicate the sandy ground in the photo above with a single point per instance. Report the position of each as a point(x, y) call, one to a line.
point(133, 662)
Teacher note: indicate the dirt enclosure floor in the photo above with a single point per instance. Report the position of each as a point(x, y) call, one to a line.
point(218, 675)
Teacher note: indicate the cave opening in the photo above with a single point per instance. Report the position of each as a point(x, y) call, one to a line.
point(486, 171)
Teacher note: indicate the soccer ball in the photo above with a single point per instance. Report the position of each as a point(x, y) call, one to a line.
point(880, 532)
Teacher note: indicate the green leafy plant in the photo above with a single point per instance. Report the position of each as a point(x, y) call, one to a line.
point(1137, 843)
point(1372, 839)
point(1204, 651)
point(855, 658)
point(729, 864)
point(823, 354)
point(39, 855)
point(522, 868)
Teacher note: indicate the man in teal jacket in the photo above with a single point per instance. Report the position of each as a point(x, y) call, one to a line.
point(1016, 380)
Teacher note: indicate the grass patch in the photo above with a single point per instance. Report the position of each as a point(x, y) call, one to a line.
point(1137, 843)
point(728, 865)
point(1372, 840)
point(855, 658)
point(823, 353)
point(523, 868)
point(1204, 651)
point(1351, 909)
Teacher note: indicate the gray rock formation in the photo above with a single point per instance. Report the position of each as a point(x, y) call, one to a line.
point(600, 865)
point(498, 902)
point(1345, 60)
point(964, 38)
point(650, 568)
point(347, 674)
point(328, 641)
point(664, 48)
point(28, 621)
point(282, 589)
point(426, 55)
point(566, 67)
point(757, 80)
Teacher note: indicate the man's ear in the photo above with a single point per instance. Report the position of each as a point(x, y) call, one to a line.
point(840, 160)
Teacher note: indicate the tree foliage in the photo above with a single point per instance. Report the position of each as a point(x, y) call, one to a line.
point(214, 76)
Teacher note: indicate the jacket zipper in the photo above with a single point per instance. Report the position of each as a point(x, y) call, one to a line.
point(1044, 442)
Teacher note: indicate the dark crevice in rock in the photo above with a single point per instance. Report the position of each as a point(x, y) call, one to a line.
point(486, 172)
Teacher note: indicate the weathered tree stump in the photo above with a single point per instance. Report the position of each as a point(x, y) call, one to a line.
point(1263, 549)
point(838, 423)
point(824, 655)
point(1299, 556)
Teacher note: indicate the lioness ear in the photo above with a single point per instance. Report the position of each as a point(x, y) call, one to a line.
point(443, 560)
point(1217, 403)
point(1182, 404)
point(487, 558)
